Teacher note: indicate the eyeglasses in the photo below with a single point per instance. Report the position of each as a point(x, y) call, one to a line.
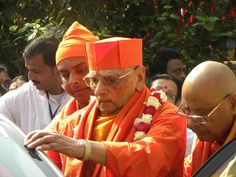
point(171, 96)
point(169, 93)
point(110, 80)
point(197, 118)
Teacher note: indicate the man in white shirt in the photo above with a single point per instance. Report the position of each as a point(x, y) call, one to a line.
point(35, 104)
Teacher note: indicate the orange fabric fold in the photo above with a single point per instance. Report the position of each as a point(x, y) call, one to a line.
point(102, 126)
point(153, 155)
point(203, 151)
point(70, 107)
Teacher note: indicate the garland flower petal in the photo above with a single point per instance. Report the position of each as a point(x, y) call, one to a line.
point(153, 102)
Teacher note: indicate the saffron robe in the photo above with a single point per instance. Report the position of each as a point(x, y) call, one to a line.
point(70, 107)
point(203, 151)
point(160, 153)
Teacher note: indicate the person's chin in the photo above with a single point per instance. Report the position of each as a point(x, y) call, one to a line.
point(81, 93)
point(38, 86)
point(81, 98)
point(106, 109)
point(204, 137)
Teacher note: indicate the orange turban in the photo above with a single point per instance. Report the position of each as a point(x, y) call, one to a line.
point(73, 42)
point(116, 52)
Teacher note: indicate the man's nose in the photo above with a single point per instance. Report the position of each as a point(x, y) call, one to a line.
point(31, 75)
point(100, 89)
point(182, 74)
point(74, 80)
point(193, 125)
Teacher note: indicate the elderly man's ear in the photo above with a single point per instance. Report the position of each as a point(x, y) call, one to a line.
point(233, 102)
point(141, 73)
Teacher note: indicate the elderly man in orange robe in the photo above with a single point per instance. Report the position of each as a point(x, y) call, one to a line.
point(209, 103)
point(72, 64)
point(126, 131)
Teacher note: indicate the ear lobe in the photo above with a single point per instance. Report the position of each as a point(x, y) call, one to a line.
point(233, 102)
point(141, 79)
point(55, 70)
point(139, 86)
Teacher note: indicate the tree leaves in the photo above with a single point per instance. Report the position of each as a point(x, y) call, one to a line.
point(198, 30)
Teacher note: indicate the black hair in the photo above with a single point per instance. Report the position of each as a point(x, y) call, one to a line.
point(45, 45)
point(163, 76)
point(158, 64)
point(3, 68)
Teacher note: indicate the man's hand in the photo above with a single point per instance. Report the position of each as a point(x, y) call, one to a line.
point(44, 140)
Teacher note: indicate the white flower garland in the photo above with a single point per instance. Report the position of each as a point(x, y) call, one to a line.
point(152, 104)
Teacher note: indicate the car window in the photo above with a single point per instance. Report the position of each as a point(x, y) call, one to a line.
point(18, 161)
point(15, 161)
point(229, 168)
point(221, 164)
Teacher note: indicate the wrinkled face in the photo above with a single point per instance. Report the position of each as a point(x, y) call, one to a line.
point(168, 86)
point(219, 121)
point(42, 75)
point(176, 69)
point(113, 91)
point(72, 71)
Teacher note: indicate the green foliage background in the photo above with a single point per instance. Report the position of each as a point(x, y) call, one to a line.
point(159, 22)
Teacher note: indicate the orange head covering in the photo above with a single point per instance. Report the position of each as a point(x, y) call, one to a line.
point(116, 52)
point(73, 42)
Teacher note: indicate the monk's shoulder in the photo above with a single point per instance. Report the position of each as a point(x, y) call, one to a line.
point(73, 118)
point(167, 109)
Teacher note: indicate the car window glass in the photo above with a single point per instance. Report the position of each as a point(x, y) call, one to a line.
point(228, 168)
point(18, 161)
point(22, 165)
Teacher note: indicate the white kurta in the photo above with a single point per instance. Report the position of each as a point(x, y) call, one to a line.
point(28, 107)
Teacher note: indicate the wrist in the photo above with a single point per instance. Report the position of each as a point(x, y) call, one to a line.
point(87, 149)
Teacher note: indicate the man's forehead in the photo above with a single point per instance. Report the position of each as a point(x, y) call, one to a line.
point(200, 98)
point(4, 74)
point(106, 72)
point(176, 64)
point(72, 62)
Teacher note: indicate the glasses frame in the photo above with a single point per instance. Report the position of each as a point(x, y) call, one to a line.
point(202, 119)
point(118, 77)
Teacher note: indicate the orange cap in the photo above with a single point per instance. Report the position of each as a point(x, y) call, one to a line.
point(73, 42)
point(116, 52)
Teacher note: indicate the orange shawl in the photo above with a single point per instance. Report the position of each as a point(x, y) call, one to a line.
point(160, 153)
point(70, 107)
point(203, 151)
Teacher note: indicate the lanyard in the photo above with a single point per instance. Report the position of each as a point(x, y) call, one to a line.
point(52, 115)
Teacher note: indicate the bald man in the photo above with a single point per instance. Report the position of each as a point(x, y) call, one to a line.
point(209, 103)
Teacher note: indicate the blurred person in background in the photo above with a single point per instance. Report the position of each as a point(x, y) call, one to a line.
point(168, 61)
point(4, 79)
point(168, 85)
point(17, 82)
